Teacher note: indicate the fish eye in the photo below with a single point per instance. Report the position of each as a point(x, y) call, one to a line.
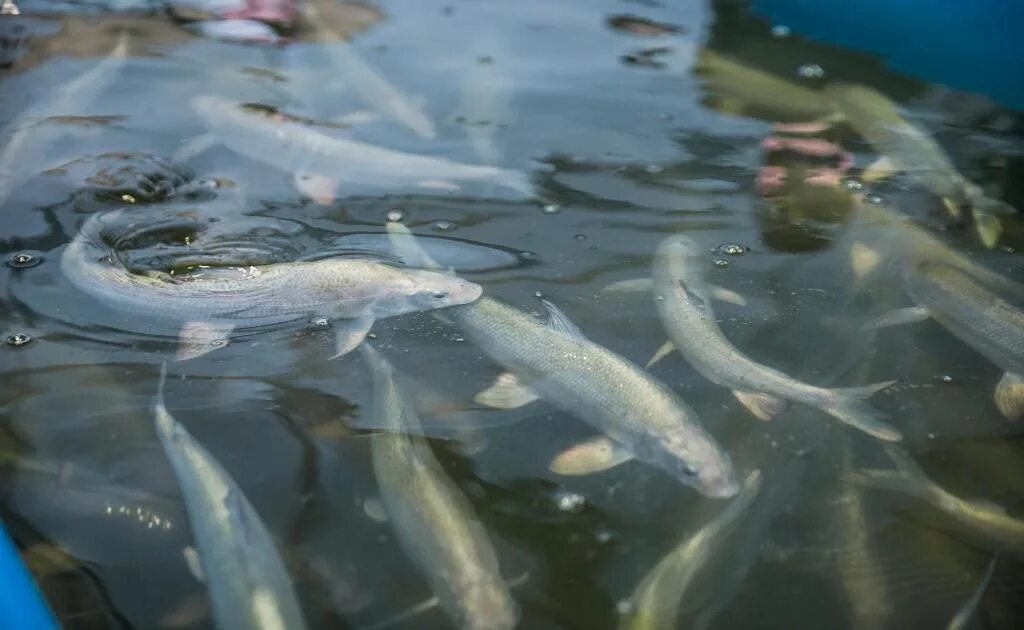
point(439, 295)
point(689, 471)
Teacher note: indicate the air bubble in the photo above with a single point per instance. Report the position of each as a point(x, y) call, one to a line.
point(528, 255)
point(395, 215)
point(732, 249)
point(23, 260)
point(875, 200)
point(811, 71)
point(443, 226)
point(946, 378)
point(320, 323)
point(570, 501)
point(580, 237)
point(551, 208)
point(653, 169)
point(18, 339)
point(603, 536)
point(538, 295)
point(720, 262)
point(853, 185)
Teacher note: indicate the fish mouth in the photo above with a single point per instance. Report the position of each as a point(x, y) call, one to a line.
point(469, 292)
point(720, 488)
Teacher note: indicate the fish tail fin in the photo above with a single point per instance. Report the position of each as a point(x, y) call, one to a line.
point(1010, 395)
point(850, 407)
point(907, 478)
point(986, 212)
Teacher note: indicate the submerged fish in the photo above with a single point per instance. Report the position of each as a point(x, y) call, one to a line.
point(683, 300)
point(977, 316)
point(642, 416)
point(369, 85)
point(248, 584)
point(432, 519)
point(979, 518)
point(32, 133)
point(910, 149)
point(962, 618)
point(655, 602)
point(213, 302)
point(301, 150)
point(740, 86)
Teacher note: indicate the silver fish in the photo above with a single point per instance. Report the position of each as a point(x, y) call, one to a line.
point(989, 522)
point(909, 149)
point(655, 602)
point(554, 361)
point(369, 85)
point(215, 301)
point(31, 134)
point(432, 519)
point(683, 300)
point(297, 148)
point(962, 618)
point(248, 584)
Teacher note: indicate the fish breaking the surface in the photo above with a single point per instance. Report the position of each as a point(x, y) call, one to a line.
point(214, 301)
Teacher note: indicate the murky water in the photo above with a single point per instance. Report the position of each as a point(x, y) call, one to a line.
point(624, 143)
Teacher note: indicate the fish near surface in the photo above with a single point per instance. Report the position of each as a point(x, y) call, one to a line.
point(655, 602)
point(641, 415)
point(302, 150)
point(683, 300)
point(248, 584)
point(910, 149)
point(432, 519)
point(981, 319)
point(213, 302)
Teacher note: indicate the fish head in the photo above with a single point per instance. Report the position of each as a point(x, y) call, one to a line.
point(694, 459)
point(679, 247)
point(430, 290)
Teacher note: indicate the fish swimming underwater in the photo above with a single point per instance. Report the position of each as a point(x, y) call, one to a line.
point(215, 301)
point(907, 148)
point(248, 584)
point(683, 299)
point(643, 418)
point(306, 152)
point(432, 519)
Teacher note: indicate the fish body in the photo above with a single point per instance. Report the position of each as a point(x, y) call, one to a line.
point(604, 389)
point(655, 602)
point(683, 300)
point(910, 149)
point(298, 148)
point(979, 518)
point(751, 87)
point(432, 519)
point(556, 362)
point(334, 288)
point(246, 577)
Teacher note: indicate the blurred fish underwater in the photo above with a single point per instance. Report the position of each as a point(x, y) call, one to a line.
point(592, 314)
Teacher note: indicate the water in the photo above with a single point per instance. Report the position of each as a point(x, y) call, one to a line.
point(625, 144)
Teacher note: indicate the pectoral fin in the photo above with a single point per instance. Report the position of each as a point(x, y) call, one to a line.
point(195, 567)
point(763, 406)
point(727, 295)
point(194, 147)
point(630, 286)
point(988, 227)
point(663, 351)
point(900, 316)
point(359, 117)
point(1010, 395)
point(880, 169)
point(590, 456)
point(863, 259)
point(319, 188)
point(350, 333)
point(507, 392)
point(198, 338)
